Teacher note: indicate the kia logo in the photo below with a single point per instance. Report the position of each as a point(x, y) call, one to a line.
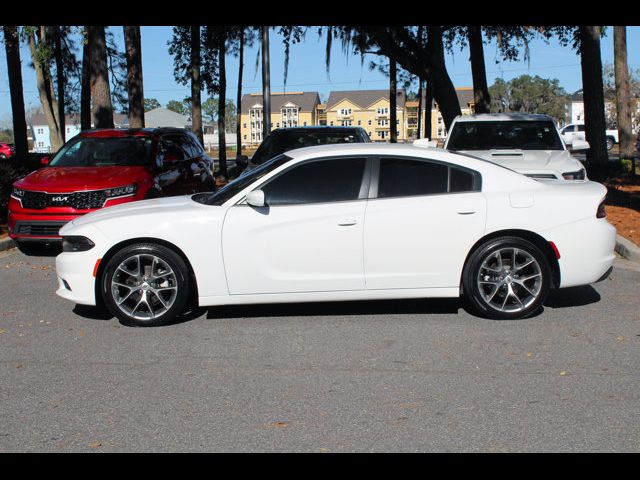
point(60, 199)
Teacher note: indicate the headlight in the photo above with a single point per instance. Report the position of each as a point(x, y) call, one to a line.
point(76, 244)
point(17, 193)
point(121, 191)
point(579, 175)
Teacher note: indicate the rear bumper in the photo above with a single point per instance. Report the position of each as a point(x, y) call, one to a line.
point(586, 250)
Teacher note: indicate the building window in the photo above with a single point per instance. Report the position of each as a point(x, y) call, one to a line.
point(332, 124)
point(359, 122)
point(244, 125)
point(305, 124)
point(244, 137)
point(40, 131)
point(369, 122)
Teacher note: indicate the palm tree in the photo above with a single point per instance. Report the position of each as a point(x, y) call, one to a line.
point(135, 92)
point(622, 91)
point(100, 90)
point(14, 71)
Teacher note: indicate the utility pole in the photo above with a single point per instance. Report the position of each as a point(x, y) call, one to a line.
point(266, 84)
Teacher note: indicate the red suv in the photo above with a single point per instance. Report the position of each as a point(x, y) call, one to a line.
point(101, 168)
point(6, 150)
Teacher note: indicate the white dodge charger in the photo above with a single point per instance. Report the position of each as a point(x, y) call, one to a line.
point(343, 222)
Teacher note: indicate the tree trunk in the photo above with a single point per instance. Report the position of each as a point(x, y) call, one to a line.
point(444, 92)
point(85, 88)
point(428, 105)
point(623, 98)
point(266, 84)
point(135, 92)
point(100, 90)
point(45, 90)
point(239, 96)
point(481, 97)
point(14, 71)
point(592, 87)
point(196, 85)
point(222, 110)
point(57, 39)
point(393, 102)
point(420, 105)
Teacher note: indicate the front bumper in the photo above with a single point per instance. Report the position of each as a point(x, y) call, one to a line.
point(75, 277)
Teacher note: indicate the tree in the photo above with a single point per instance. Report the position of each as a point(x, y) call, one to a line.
point(528, 94)
point(177, 106)
point(393, 102)
point(481, 96)
point(133, 48)
point(85, 89)
point(196, 103)
point(57, 45)
point(266, 84)
point(592, 87)
point(151, 103)
point(41, 51)
point(14, 71)
point(102, 109)
point(623, 94)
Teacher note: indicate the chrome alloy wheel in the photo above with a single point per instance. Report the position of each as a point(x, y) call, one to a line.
point(509, 280)
point(144, 287)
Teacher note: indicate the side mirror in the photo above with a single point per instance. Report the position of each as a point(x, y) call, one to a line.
point(44, 161)
point(579, 144)
point(255, 198)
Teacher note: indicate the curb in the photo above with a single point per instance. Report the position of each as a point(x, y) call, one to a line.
point(6, 244)
point(627, 249)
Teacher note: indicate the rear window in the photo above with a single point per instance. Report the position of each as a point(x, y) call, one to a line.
point(504, 135)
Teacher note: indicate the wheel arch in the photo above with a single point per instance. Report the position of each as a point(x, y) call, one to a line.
point(118, 246)
point(532, 237)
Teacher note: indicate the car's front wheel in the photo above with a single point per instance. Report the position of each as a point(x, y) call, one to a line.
point(610, 143)
point(506, 278)
point(145, 285)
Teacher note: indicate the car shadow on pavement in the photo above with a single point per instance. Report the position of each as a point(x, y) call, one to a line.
point(572, 297)
point(368, 307)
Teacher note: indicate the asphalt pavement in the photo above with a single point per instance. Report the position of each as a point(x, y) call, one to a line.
point(325, 377)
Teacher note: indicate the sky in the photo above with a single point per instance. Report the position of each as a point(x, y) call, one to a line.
point(307, 71)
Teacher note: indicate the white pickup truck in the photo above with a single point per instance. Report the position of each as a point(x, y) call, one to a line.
point(576, 131)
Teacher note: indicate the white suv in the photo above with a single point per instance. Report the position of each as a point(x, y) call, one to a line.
point(575, 131)
point(527, 143)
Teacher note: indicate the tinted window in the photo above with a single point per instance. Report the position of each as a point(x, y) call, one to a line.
point(460, 180)
point(104, 152)
point(581, 128)
point(173, 145)
point(525, 135)
point(332, 180)
point(401, 177)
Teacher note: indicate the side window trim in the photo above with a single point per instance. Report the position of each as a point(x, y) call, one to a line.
point(365, 185)
point(375, 176)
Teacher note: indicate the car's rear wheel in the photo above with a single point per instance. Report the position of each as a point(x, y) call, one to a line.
point(146, 285)
point(506, 278)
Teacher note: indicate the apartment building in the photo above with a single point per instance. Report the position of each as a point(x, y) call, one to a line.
point(291, 109)
point(368, 109)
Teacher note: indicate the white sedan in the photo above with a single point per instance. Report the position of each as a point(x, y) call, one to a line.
point(343, 222)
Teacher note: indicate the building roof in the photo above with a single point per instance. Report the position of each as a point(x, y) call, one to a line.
point(38, 119)
point(363, 98)
point(163, 117)
point(306, 101)
point(577, 96)
point(465, 96)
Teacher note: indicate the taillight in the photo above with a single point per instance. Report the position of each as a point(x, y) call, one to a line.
point(601, 213)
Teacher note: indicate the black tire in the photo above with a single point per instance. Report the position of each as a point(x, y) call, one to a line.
point(610, 143)
point(510, 287)
point(180, 282)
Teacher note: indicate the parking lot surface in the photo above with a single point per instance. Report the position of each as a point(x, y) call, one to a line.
point(358, 376)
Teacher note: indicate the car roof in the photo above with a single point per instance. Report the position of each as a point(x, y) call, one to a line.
point(309, 128)
point(507, 117)
point(361, 149)
point(127, 132)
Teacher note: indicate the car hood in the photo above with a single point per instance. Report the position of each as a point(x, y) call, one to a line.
point(527, 161)
point(72, 179)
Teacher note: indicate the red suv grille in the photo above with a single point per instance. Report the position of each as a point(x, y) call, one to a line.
point(77, 200)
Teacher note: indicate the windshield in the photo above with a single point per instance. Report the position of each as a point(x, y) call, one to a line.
point(283, 141)
point(504, 135)
point(104, 152)
point(239, 184)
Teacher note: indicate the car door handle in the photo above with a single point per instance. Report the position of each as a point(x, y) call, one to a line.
point(348, 221)
point(466, 213)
